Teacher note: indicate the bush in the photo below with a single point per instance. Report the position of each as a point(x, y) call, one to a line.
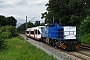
point(2, 44)
point(85, 26)
point(86, 39)
point(85, 30)
point(5, 33)
point(8, 31)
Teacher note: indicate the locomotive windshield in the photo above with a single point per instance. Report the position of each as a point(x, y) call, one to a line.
point(69, 32)
point(39, 32)
point(27, 32)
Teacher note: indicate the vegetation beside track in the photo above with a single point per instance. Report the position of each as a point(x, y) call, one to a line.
point(85, 31)
point(86, 39)
point(19, 49)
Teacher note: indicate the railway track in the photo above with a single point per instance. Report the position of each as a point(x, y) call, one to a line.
point(85, 47)
point(82, 54)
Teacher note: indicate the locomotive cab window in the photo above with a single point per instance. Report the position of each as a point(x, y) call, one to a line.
point(39, 32)
point(32, 32)
point(27, 32)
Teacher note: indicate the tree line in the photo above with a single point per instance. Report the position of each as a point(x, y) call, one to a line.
point(66, 12)
point(7, 21)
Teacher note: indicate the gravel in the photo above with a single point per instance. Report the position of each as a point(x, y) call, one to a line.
point(60, 55)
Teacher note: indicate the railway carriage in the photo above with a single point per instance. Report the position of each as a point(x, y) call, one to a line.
point(36, 32)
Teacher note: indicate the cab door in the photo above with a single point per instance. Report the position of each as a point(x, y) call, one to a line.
point(60, 33)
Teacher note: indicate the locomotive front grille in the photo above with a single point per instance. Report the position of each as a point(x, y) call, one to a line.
point(77, 46)
point(62, 45)
point(69, 45)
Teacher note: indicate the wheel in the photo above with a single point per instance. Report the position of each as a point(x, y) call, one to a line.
point(47, 40)
point(56, 44)
point(50, 42)
point(44, 40)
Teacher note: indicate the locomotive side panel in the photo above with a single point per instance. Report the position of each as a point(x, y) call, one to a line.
point(53, 31)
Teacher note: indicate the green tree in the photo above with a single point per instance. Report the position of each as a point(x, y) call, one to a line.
point(37, 23)
point(42, 24)
point(11, 21)
point(22, 27)
point(8, 31)
point(2, 20)
point(85, 25)
point(7, 21)
point(29, 24)
point(66, 12)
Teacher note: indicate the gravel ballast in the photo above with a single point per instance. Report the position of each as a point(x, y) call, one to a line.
point(60, 55)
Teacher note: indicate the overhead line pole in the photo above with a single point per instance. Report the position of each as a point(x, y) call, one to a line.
point(26, 28)
point(26, 22)
point(53, 19)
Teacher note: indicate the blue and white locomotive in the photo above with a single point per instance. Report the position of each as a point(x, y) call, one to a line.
point(61, 36)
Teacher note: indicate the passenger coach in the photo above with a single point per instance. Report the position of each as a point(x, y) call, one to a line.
point(36, 32)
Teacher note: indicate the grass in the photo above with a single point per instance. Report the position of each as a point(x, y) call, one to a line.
point(86, 39)
point(20, 49)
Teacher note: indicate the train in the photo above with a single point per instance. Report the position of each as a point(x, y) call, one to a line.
point(64, 37)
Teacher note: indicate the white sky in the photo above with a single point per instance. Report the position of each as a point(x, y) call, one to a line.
point(22, 8)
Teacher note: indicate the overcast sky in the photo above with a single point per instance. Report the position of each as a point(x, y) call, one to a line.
point(21, 8)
